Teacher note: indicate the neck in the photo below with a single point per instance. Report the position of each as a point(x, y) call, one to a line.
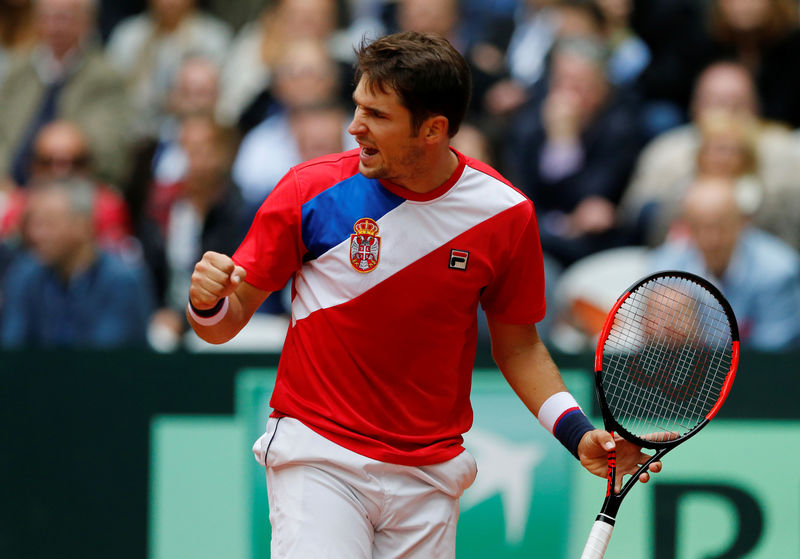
point(77, 262)
point(169, 24)
point(203, 193)
point(434, 172)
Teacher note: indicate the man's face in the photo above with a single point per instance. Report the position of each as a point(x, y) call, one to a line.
point(724, 88)
point(196, 90)
point(428, 16)
point(318, 132)
point(204, 153)
point(63, 24)
point(54, 231)
point(305, 75)
point(715, 222)
point(579, 79)
point(308, 18)
point(382, 127)
point(745, 15)
point(59, 152)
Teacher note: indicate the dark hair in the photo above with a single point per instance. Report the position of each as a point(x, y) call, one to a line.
point(781, 18)
point(588, 8)
point(428, 74)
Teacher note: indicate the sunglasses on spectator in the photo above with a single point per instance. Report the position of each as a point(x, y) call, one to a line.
point(80, 161)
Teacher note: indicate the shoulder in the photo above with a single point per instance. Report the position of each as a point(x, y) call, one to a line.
point(675, 146)
point(683, 136)
point(114, 271)
point(321, 173)
point(131, 29)
point(25, 264)
point(208, 23)
point(776, 257)
point(99, 67)
point(20, 67)
point(307, 180)
point(494, 182)
point(246, 44)
point(485, 169)
point(677, 253)
point(24, 274)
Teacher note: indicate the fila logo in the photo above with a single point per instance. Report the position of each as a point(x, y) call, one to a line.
point(458, 259)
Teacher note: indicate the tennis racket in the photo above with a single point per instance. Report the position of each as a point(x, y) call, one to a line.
point(665, 363)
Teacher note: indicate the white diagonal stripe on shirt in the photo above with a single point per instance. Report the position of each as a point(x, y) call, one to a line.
point(330, 280)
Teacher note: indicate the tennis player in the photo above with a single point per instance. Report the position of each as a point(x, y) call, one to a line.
point(391, 248)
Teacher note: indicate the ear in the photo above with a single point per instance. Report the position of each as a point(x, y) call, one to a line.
point(435, 129)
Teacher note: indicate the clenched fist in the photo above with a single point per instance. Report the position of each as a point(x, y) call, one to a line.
point(214, 277)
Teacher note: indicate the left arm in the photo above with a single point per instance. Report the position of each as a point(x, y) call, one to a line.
point(531, 372)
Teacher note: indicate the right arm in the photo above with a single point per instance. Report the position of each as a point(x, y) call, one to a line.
point(215, 277)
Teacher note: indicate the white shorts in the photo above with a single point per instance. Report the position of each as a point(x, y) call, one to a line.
point(328, 502)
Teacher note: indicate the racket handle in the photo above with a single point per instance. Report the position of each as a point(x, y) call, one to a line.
point(598, 540)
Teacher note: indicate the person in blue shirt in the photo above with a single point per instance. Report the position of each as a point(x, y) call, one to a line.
point(757, 272)
point(65, 291)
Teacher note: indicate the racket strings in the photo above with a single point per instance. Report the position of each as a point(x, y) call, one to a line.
point(666, 358)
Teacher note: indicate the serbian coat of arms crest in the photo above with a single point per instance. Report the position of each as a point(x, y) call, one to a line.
point(365, 245)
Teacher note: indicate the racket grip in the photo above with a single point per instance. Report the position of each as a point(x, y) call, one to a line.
point(598, 540)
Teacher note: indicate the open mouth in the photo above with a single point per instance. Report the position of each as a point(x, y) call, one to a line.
point(368, 151)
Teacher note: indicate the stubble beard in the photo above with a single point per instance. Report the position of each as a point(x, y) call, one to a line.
point(410, 164)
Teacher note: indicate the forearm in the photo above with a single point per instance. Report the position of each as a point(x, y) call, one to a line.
point(533, 375)
point(530, 370)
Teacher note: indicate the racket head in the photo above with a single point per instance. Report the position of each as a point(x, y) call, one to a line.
point(666, 359)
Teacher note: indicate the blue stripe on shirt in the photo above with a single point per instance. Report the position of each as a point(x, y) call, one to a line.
point(328, 218)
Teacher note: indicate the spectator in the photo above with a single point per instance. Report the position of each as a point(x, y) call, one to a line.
point(630, 55)
point(445, 18)
point(66, 76)
point(763, 36)
point(573, 152)
point(161, 161)
point(541, 24)
point(669, 162)
point(201, 212)
point(69, 292)
point(728, 151)
point(531, 41)
point(195, 91)
point(247, 95)
point(148, 49)
point(305, 76)
point(758, 273)
point(317, 130)
point(17, 30)
point(61, 151)
point(433, 16)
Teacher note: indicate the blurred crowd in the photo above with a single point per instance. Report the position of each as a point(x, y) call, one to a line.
point(137, 134)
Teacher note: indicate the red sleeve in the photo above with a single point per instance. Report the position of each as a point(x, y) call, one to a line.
point(516, 295)
point(272, 251)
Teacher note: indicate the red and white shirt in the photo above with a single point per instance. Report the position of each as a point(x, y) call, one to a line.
point(387, 282)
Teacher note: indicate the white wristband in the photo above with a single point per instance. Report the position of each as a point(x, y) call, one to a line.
point(554, 408)
point(209, 320)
